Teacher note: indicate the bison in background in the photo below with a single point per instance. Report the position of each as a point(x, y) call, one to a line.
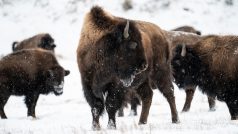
point(116, 54)
point(134, 100)
point(44, 41)
point(188, 29)
point(213, 62)
point(181, 78)
point(30, 73)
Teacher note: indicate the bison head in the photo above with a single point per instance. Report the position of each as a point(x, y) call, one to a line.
point(55, 79)
point(47, 42)
point(123, 52)
point(186, 66)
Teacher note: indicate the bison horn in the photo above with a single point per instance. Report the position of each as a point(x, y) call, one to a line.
point(126, 30)
point(183, 53)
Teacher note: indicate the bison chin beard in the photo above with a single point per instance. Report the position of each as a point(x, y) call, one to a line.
point(127, 81)
point(58, 89)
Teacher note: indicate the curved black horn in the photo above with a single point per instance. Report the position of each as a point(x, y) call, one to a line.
point(126, 30)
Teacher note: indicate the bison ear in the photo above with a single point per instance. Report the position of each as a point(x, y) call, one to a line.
point(53, 46)
point(67, 72)
point(14, 44)
point(198, 33)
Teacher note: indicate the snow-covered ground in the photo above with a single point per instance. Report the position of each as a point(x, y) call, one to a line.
point(69, 113)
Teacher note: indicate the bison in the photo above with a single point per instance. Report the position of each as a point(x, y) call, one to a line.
point(115, 55)
point(180, 78)
point(43, 40)
point(133, 99)
point(30, 73)
point(212, 62)
point(189, 29)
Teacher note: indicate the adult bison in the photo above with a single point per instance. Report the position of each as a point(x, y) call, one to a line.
point(178, 73)
point(213, 64)
point(181, 78)
point(30, 73)
point(115, 55)
point(43, 40)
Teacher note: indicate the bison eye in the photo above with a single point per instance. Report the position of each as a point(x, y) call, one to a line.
point(133, 45)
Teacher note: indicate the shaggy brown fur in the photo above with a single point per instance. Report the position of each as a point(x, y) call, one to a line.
point(213, 63)
point(43, 40)
point(110, 63)
point(30, 73)
point(180, 80)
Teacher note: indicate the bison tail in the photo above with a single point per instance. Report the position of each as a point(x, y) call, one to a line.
point(100, 18)
point(14, 45)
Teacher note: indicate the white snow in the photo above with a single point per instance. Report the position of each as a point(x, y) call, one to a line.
point(70, 113)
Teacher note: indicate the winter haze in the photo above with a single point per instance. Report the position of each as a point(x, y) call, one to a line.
point(69, 113)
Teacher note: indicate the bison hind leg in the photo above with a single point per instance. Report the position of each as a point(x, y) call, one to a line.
point(4, 96)
point(233, 109)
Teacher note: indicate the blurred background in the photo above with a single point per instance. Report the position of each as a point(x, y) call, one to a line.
point(20, 19)
point(69, 113)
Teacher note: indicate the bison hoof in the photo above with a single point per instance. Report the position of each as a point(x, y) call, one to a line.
point(96, 127)
point(111, 125)
point(212, 109)
point(234, 118)
point(132, 113)
point(176, 121)
point(4, 117)
point(142, 122)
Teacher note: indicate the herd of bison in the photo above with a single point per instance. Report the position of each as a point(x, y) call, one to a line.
point(121, 61)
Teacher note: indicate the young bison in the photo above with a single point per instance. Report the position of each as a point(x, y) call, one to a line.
point(116, 54)
point(180, 80)
point(30, 73)
point(213, 63)
point(44, 41)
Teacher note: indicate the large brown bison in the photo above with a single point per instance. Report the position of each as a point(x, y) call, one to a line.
point(30, 73)
point(115, 55)
point(213, 63)
point(181, 79)
point(44, 41)
point(178, 73)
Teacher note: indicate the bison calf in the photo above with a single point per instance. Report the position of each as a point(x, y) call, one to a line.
point(30, 73)
point(44, 41)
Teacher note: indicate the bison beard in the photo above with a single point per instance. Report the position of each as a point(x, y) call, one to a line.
point(115, 55)
point(213, 63)
point(30, 73)
point(44, 41)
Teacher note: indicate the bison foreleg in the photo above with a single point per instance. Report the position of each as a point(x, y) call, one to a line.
point(189, 98)
point(30, 101)
point(3, 101)
point(146, 95)
point(212, 103)
point(113, 103)
point(134, 103)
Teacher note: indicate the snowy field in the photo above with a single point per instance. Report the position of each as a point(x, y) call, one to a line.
point(69, 113)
